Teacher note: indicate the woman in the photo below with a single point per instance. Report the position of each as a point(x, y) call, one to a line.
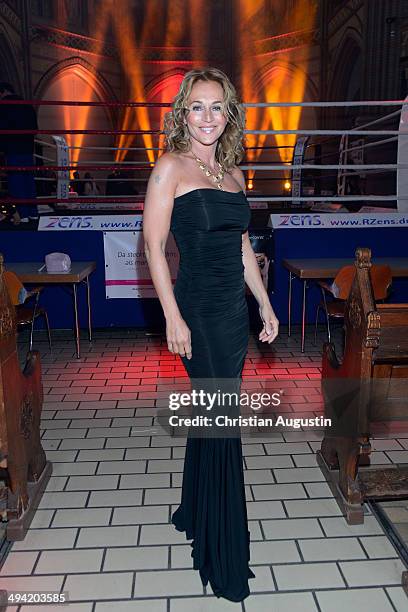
point(197, 191)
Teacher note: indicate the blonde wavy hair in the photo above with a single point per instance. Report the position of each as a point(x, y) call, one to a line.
point(230, 150)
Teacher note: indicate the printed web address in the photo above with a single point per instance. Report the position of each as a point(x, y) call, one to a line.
point(333, 222)
point(90, 222)
point(368, 221)
point(120, 225)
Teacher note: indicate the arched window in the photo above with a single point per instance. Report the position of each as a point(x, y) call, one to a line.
point(74, 82)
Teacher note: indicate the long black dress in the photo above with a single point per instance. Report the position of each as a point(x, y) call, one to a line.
point(207, 225)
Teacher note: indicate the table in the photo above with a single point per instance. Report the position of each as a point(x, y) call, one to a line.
point(313, 269)
point(35, 272)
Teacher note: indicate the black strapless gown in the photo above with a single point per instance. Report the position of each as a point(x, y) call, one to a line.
point(207, 225)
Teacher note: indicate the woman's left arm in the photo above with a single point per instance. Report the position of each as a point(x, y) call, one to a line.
point(253, 279)
point(252, 274)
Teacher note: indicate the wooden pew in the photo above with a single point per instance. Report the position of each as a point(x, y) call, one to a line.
point(367, 388)
point(23, 465)
point(364, 392)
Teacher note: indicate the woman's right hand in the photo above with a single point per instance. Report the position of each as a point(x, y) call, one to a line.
point(178, 337)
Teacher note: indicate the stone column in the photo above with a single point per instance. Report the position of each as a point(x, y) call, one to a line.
point(26, 46)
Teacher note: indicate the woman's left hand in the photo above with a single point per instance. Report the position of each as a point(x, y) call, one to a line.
point(270, 323)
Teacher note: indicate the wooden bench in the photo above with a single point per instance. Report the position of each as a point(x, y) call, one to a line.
point(364, 392)
point(23, 465)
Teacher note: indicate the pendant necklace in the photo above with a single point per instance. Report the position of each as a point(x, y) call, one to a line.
point(217, 178)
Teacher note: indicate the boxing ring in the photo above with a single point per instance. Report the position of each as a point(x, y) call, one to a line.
point(307, 207)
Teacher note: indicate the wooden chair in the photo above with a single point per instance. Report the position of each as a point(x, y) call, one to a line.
point(26, 314)
point(23, 465)
point(339, 289)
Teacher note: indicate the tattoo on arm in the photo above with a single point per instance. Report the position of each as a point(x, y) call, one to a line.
point(157, 178)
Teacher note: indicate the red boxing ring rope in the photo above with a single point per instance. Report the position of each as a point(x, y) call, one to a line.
point(64, 165)
point(113, 103)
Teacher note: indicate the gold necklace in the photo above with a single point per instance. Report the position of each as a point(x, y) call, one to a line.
point(217, 178)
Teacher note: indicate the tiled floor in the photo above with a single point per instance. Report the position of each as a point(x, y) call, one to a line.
point(102, 532)
point(397, 512)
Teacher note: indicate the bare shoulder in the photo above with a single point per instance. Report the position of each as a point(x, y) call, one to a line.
point(238, 175)
point(163, 182)
point(166, 167)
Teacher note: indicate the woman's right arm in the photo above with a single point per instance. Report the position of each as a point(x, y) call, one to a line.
point(157, 212)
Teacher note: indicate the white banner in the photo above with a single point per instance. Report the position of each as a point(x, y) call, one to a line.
point(337, 220)
point(126, 269)
point(116, 223)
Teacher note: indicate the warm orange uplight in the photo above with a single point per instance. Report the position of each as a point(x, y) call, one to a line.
point(199, 13)
point(250, 184)
point(164, 91)
point(287, 185)
point(178, 20)
point(284, 81)
point(250, 28)
point(133, 118)
point(73, 84)
point(176, 24)
point(77, 117)
point(289, 82)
